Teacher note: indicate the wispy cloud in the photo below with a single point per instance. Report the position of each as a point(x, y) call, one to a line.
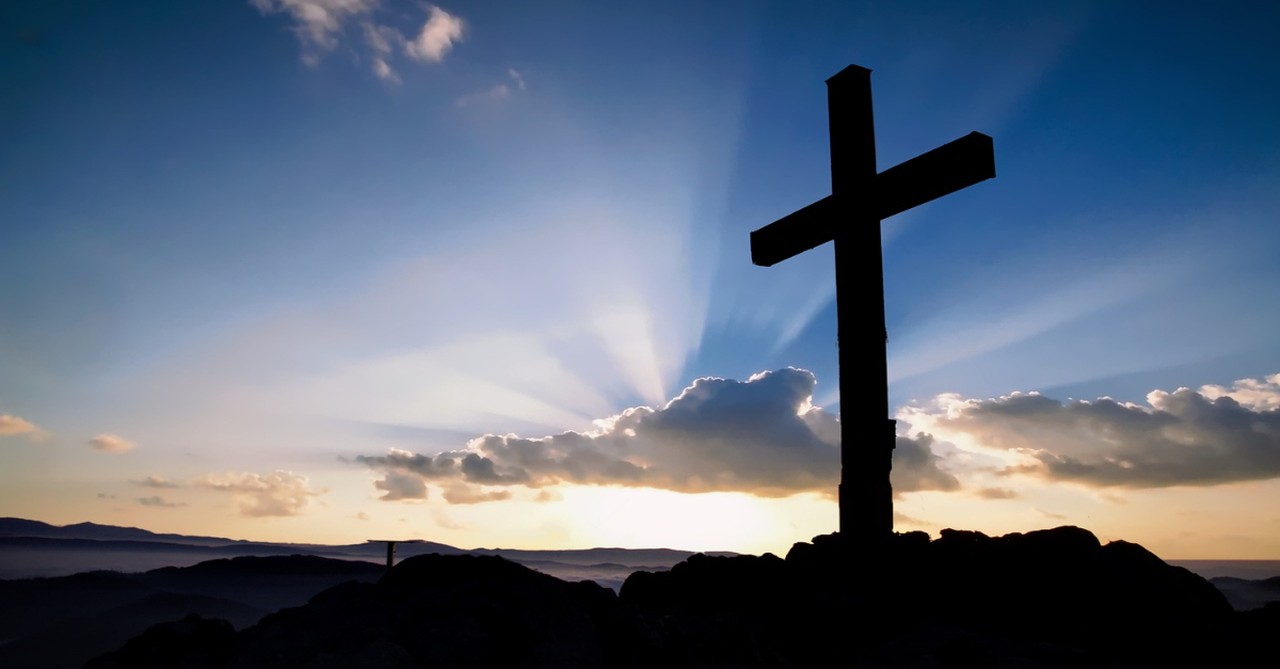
point(904, 519)
point(761, 436)
point(436, 37)
point(160, 502)
point(445, 521)
point(157, 482)
point(110, 443)
point(498, 91)
point(549, 495)
point(384, 72)
point(382, 41)
point(280, 493)
point(13, 426)
point(321, 25)
point(317, 22)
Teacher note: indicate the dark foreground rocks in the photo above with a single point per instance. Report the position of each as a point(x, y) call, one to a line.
point(63, 622)
point(1054, 598)
point(430, 611)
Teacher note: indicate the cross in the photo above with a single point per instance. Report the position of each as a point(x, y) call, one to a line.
point(391, 547)
point(860, 198)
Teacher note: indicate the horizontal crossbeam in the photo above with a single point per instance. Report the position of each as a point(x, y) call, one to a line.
point(795, 233)
point(946, 169)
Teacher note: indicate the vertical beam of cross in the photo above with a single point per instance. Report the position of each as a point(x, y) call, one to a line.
point(866, 500)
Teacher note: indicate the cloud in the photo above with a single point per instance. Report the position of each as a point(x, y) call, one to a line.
point(464, 494)
point(158, 501)
point(904, 519)
point(381, 41)
point(320, 25)
point(1257, 394)
point(317, 22)
point(279, 493)
point(548, 495)
point(13, 426)
point(915, 467)
point(761, 436)
point(496, 92)
point(1113, 498)
point(401, 485)
point(1178, 438)
point(437, 36)
point(997, 493)
point(157, 482)
point(444, 521)
point(110, 443)
point(384, 72)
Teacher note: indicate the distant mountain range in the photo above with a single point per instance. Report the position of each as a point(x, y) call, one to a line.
point(69, 593)
point(21, 527)
point(64, 621)
point(30, 548)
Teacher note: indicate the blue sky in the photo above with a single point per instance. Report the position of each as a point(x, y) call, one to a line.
point(265, 242)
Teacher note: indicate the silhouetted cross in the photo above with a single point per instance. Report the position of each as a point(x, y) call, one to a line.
point(860, 198)
point(391, 547)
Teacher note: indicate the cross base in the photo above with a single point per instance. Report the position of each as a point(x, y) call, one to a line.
point(866, 494)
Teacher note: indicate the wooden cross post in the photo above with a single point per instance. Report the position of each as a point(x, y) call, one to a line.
point(860, 198)
point(391, 548)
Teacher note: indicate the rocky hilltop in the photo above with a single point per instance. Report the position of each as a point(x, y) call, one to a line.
point(1052, 598)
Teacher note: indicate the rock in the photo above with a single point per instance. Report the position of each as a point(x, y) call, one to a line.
point(194, 642)
point(1049, 598)
point(445, 611)
point(1019, 594)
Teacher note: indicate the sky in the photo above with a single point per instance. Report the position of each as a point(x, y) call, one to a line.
point(479, 272)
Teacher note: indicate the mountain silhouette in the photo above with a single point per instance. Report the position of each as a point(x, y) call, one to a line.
point(65, 621)
point(21, 527)
point(62, 621)
point(1246, 594)
point(1051, 598)
point(32, 548)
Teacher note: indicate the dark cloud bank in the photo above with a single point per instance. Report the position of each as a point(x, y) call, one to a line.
point(1185, 437)
point(763, 436)
point(760, 436)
